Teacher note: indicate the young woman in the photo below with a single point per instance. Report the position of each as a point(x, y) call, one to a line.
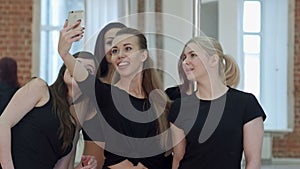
point(102, 51)
point(133, 110)
point(39, 127)
point(184, 89)
point(105, 73)
point(216, 124)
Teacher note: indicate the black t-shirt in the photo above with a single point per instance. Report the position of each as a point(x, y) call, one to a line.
point(174, 92)
point(126, 124)
point(214, 129)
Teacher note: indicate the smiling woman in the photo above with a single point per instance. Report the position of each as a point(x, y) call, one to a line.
point(126, 139)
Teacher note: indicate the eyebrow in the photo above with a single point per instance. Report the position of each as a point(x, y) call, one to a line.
point(127, 44)
point(123, 45)
point(191, 52)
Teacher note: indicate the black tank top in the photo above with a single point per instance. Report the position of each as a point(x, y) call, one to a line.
point(35, 139)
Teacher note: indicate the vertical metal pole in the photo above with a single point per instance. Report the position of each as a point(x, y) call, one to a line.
point(196, 17)
point(127, 11)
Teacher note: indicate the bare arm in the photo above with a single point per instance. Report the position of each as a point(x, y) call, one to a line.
point(253, 138)
point(68, 35)
point(179, 144)
point(35, 93)
point(95, 149)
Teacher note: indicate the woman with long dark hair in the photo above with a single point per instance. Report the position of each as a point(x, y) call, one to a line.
point(39, 127)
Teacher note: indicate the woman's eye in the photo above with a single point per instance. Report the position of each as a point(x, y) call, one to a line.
point(128, 48)
point(114, 51)
point(193, 55)
point(183, 57)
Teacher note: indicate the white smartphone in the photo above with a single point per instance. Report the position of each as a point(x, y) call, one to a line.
point(76, 15)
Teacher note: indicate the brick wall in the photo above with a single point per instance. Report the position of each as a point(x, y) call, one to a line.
point(15, 34)
point(288, 146)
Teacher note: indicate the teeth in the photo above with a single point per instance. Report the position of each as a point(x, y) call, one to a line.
point(123, 63)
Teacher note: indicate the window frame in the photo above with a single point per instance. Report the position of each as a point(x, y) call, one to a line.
point(277, 72)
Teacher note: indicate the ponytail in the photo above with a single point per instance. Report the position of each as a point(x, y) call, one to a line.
point(231, 70)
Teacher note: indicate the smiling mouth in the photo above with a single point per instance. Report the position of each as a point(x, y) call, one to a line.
point(123, 64)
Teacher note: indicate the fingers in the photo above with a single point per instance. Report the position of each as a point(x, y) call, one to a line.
point(88, 162)
point(68, 35)
point(73, 26)
point(66, 23)
point(73, 30)
point(72, 35)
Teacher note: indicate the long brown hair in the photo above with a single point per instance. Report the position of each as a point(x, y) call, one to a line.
point(228, 68)
point(150, 82)
point(59, 92)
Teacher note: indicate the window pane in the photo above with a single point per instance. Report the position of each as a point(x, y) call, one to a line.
point(43, 55)
point(251, 44)
point(44, 12)
point(50, 61)
point(53, 15)
point(252, 16)
point(54, 58)
point(252, 74)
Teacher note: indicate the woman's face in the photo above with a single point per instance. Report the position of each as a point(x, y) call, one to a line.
point(89, 64)
point(127, 57)
point(195, 62)
point(108, 38)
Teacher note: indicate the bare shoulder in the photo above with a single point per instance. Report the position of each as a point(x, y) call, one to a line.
point(37, 82)
point(38, 88)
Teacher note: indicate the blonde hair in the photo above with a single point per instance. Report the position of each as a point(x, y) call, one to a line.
point(228, 68)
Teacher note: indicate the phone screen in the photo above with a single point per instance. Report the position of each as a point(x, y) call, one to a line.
point(74, 16)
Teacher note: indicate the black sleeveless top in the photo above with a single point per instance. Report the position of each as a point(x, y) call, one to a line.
point(35, 139)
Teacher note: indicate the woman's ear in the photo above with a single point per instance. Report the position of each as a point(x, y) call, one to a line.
point(214, 60)
point(144, 55)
